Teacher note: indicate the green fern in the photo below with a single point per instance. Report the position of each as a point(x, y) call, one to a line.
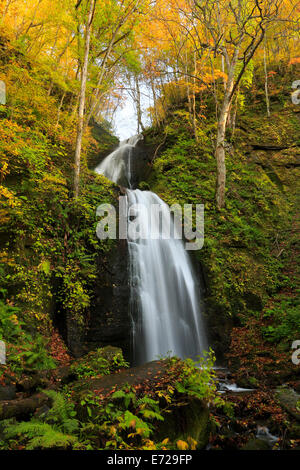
point(51, 430)
point(61, 413)
point(127, 420)
point(149, 408)
point(40, 435)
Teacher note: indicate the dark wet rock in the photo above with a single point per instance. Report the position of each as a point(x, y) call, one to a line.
point(253, 301)
point(63, 375)
point(142, 156)
point(109, 320)
point(152, 371)
point(247, 382)
point(7, 392)
point(22, 408)
point(42, 411)
point(294, 431)
point(29, 384)
point(296, 386)
point(256, 444)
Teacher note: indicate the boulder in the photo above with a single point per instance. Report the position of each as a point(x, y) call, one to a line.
point(289, 400)
point(189, 420)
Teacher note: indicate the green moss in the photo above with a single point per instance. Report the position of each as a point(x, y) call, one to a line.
point(190, 421)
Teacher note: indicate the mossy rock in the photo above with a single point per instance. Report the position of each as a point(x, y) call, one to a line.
point(248, 382)
point(144, 186)
point(289, 400)
point(294, 431)
point(103, 361)
point(189, 420)
point(256, 444)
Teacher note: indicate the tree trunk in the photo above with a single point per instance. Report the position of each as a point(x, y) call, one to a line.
point(220, 154)
point(138, 106)
point(194, 99)
point(222, 121)
point(60, 108)
point(154, 102)
point(84, 73)
point(233, 119)
point(266, 81)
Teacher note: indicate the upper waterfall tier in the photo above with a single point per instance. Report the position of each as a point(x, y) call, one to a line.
point(118, 165)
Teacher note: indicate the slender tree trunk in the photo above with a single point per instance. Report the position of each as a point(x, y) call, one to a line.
point(233, 119)
point(214, 88)
point(221, 129)
point(266, 81)
point(188, 85)
point(94, 100)
point(100, 79)
point(33, 17)
point(194, 99)
point(59, 109)
point(154, 101)
point(223, 70)
point(84, 73)
point(220, 154)
point(55, 42)
point(138, 105)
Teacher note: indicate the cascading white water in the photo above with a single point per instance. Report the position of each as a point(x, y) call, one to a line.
point(165, 299)
point(165, 303)
point(117, 165)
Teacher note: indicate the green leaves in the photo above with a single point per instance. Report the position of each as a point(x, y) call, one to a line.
point(127, 396)
point(55, 429)
point(10, 327)
point(197, 379)
point(40, 435)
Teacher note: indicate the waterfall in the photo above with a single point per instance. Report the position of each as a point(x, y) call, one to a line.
point(165, 299)
point(117, 165)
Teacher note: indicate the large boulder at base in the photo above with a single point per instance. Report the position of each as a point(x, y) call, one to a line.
point(190, 419)
point(289, 400)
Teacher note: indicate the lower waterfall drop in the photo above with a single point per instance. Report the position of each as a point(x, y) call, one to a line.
point(165, 299)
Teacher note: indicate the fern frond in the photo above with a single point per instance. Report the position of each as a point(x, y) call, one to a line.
point(61, 412)
point(40, 435)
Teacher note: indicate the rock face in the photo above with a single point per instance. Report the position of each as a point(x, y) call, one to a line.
point(141, 158)
point(107, 319)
